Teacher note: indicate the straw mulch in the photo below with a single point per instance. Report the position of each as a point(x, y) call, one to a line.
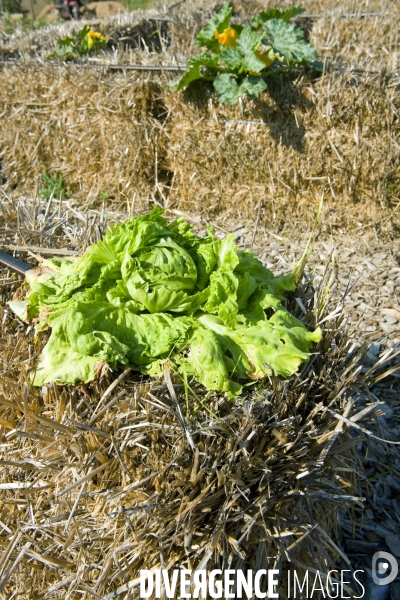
point(126, 136)
point(99, 481)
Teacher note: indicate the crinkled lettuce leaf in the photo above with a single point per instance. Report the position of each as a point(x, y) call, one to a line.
point(153, 291)
point(277, 345)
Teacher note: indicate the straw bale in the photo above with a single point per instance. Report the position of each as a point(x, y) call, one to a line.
point(99, 136)
point(99, 481)
point(304, 136)
point(366, 31)
point(126, 134)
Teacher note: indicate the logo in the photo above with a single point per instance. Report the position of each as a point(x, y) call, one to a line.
point(384, 563)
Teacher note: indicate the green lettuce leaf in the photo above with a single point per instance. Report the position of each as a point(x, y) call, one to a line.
point(275, 346)
point(152, 292)
point(223, 286)
point(206, 362)
point(59, 362)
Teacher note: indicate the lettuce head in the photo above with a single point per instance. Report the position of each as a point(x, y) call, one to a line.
point(153, 291)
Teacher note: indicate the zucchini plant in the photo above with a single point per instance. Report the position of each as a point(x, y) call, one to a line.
point(238, 58)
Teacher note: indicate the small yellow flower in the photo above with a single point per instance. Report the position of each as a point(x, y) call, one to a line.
point(227, 38)
point(96, 36)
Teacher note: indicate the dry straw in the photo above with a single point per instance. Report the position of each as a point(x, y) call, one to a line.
point(126, 135)
point(100, 481)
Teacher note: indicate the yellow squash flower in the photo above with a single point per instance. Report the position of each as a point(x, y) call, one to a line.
point(227, 38)
point(96, 36)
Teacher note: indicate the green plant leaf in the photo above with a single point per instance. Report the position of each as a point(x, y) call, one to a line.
point(227, 88)
point(220, 22)
point(248, 42)
point(222, 300)
point(67, 53)
point(206, 362)
point(67, 41)
point(232, 58)
point(58, 361)
point(243, 58)
point(276, 13)
point(288, 41)
point(266, 347)
point(52, 185)
point(229, 91)
point(153, 291)
point(83, 32)
point(208, 61)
